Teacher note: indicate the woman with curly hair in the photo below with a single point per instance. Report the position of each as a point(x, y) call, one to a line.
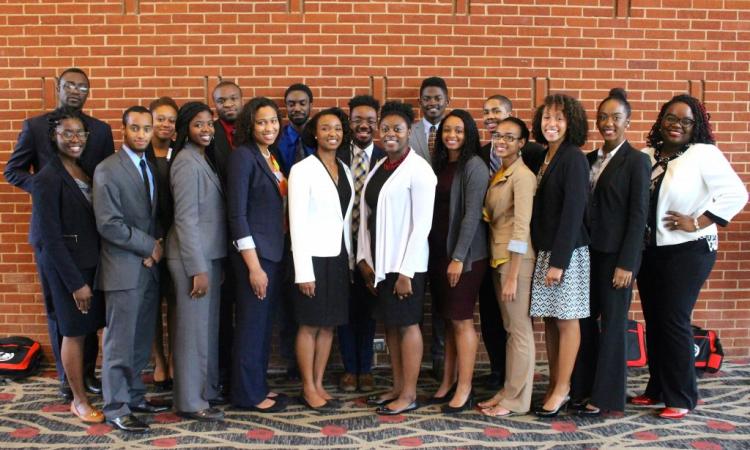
point(256, 206)
point(320, 208)
point(693, 189)
point(392, 251)
point(458, 252)
point(560, 287)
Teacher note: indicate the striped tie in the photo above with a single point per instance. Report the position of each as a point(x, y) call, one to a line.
point(359, 170)
point(431, 141)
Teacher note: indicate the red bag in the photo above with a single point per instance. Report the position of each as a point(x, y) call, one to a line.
point(708, 351)
point(20, 357)
point(636, 342)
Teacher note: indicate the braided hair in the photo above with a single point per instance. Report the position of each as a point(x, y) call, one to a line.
point(702, 133)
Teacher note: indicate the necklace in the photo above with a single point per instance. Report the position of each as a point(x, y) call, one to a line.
point(267, 154)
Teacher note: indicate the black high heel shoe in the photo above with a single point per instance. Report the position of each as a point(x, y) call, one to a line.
point(468, 404)
point(545, 413)
point(443, 399)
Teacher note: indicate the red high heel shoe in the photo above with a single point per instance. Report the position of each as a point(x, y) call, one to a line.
point(643, 400)
point(673, 413)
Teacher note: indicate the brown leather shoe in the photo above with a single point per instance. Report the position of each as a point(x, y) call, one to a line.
point(366, 382)
point(348, 382)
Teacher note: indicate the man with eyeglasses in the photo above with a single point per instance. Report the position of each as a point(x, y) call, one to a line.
point(496, 108)
point(33, 150)
point(227, 97)
point(433, 101)
point(355, 338)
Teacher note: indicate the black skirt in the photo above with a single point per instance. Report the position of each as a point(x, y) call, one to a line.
point(395, 312)
point(329, 307)
point(70, 320)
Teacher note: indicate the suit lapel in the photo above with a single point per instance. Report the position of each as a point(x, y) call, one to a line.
point(207, 169)
point(136, 178)
point(71, 184)
point(261, 162)
point(617, 160)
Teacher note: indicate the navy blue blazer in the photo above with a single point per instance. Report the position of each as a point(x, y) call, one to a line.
point(618, 206)
point(344, 153)
point(67, 227)
point(557, 221)
point(34, 150)
point(254, 203)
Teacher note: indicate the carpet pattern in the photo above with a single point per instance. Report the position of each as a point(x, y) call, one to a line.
point(32, 416)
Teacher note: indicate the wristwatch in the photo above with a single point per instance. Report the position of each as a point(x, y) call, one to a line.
point(696, 224)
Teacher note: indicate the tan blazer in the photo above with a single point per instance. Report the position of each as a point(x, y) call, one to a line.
point(508, 203)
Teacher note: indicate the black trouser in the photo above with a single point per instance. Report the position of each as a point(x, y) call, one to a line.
point(600, 373)
point(491, 323)
point(669, 283)
point(226, 322)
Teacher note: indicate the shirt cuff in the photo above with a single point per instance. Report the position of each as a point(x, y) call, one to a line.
point(246, 243)
point(518, 247)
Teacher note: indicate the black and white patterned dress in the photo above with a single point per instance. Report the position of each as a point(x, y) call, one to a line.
point(570, 298)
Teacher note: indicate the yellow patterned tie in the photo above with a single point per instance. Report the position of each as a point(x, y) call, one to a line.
point(431, 141)
point(359, 169)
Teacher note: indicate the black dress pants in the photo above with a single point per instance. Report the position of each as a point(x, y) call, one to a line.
point(669, 282)
point(491, 324)
point(600, 373)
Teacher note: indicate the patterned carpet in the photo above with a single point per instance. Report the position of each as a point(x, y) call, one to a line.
point(31, 416)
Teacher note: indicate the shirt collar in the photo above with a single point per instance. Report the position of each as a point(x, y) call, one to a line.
point(600, 153)
point(368, 150)
point(134, 156)
point(428, 124)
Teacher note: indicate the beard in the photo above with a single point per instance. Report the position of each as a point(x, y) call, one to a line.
point(298, 120)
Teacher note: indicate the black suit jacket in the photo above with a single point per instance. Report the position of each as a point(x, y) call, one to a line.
point(67, 228)
point(219, 153)
point(531, 153)
point(344, 153)
point(618, 205)
point(557, 221)
point(254, 203)
point(34, 150)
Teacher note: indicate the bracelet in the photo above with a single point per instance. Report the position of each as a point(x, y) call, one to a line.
point(696, 224)
point(456, 260)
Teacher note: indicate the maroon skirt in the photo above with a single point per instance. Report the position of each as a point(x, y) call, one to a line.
point(455, 303)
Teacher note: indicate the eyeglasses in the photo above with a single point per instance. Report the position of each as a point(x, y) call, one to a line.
point(507, 138)
point(68, 135)
point(70, 86)
point(685, 122)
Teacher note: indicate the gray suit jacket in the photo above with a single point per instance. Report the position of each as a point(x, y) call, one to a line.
point(199, 232)
point(467, 232)
point(418, 141)
point(126, 226)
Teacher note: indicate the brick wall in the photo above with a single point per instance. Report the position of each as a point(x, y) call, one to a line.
point(135, 51)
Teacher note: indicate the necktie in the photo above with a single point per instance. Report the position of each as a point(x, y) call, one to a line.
point(494, 162)
point(431, 141)
point(146, 183)
point(359, 170)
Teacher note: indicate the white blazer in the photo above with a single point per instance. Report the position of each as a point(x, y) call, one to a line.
point(404, 219)
point(698, 181)
point(315, 220)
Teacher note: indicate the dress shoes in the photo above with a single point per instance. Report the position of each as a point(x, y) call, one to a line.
point(129, 423)
point(279, 406)
point(92, 384)
point(329, 405)
point(644, 400)
point(386, 411)
point(468, 404)
point(348, 382)
point(583, 411)
point(366, 382)
point(204, 415)
point(673, 413)
point(434, 400)
point(147, 407)
point(376, 400)
point(218, 400)
point(546, 413)
point(65, 392)
point(93, 416)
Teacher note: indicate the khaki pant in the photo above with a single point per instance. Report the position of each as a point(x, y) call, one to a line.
point(519, 347)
